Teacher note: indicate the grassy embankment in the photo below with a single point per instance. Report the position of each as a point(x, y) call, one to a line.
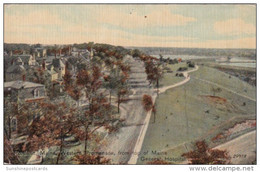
point(191, 112)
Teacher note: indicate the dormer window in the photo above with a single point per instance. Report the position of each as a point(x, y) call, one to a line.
point(36, 93)
point(14, 124)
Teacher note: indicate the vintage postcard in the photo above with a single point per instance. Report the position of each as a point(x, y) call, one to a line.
point(129, 84)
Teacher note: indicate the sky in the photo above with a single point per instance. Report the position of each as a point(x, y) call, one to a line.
point(144, 25)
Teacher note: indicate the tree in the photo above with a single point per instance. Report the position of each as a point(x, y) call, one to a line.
point(205, 155)
point(57, 122)
point(109, 83)
point(10, 111)
point(161, 58)
point(153, 71)
point(148, 104)
point(18, 111)
point(98, 113)
point(215, 90)
point(67, 78)
point(116, 81)
point(9, 155)
point(120, 75)
point(136, 53)
point(157, 75)
point(90, 45)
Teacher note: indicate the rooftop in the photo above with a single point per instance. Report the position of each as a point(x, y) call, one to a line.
point(16, 69)
point(19, 84)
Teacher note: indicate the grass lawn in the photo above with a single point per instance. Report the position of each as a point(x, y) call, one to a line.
point(170, 78)
point(188, 113)
point(223, 79)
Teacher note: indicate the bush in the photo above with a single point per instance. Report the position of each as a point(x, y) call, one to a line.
point(192, 64)
point(182, 69)
point(147, 102)
point(205, 155)
point(179, 74)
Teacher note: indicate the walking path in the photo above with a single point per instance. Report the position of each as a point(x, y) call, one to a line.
point(187, 78)
point(119, 146)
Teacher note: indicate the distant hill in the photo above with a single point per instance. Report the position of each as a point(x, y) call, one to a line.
point(249, 53)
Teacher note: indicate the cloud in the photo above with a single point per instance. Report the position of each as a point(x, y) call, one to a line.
point(246, 11)
point(32, 22)
point(234, 27)
point(132, 19)
point(117, 25)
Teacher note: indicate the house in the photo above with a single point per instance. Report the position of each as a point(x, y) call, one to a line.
point(19, 68)
point(24, 92)
point(27, 60)
point(15, 72)
point(40, 52)
point(27, 91)
point(52, 74)
point(59, 67)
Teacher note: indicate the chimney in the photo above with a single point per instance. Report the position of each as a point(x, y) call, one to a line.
point(91, 53)
point(23, 77)
point(70, 50)
point(43, 65)
point(66, 67)
point(55, 53)
point(60, 52)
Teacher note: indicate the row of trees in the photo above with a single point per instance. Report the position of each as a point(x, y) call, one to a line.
point(153, 67)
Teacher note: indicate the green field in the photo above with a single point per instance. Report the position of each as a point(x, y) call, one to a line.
point(187, 113)
point(170, 78)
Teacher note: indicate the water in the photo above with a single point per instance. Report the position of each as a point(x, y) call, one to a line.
point(184, 57)
point(239, 61)
point(250, 65)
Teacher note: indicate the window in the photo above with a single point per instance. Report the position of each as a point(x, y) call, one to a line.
point(13, 124)
point(36, 93)
point(36, 116)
